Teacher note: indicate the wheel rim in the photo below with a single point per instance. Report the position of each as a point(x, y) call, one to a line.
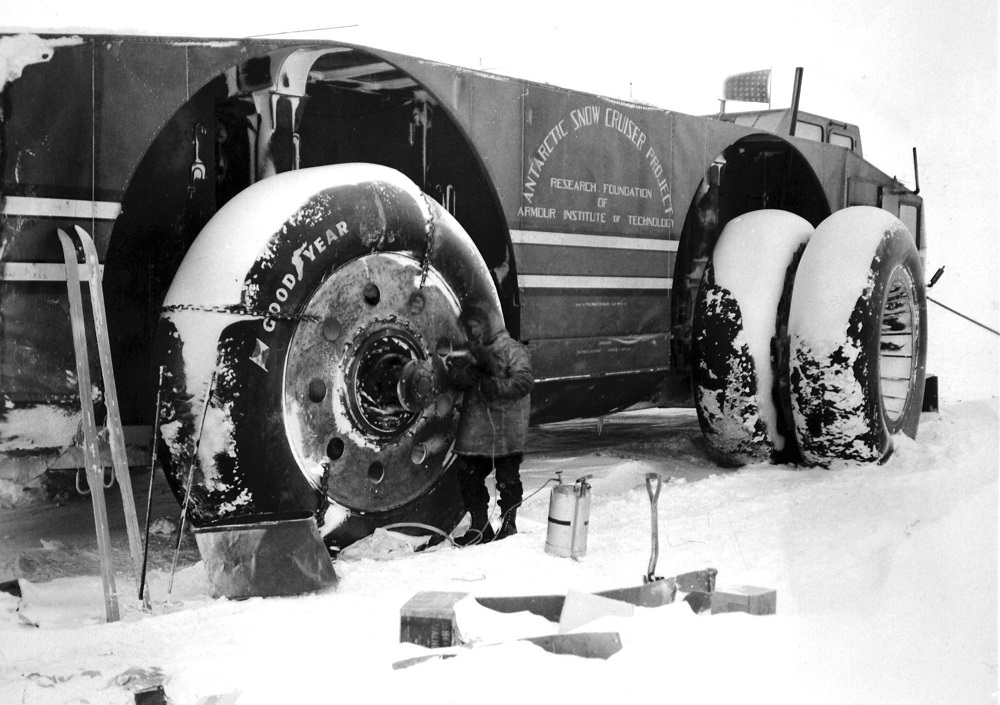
point(366, 409)
point(898, 340)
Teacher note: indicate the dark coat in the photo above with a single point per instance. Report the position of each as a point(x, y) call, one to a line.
point(497, 384)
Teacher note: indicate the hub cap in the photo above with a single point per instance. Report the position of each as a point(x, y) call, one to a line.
point(898, 344)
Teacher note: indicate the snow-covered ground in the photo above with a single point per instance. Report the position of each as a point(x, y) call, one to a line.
point(886, 581)
point(886, 577)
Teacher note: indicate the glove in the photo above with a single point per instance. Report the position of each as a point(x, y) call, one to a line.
point(490, 387)
point(464, 375)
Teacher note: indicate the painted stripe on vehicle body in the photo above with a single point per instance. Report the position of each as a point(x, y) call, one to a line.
point(39, 272)
point(592, 261)
point(61, 208)
point(615, 242)
point(549, 281)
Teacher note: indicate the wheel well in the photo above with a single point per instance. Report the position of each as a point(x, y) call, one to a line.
point(166, 204)
point(755, 173)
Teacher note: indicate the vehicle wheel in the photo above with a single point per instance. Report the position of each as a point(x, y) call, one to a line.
point(737, 314)
point(310, 312)
point(858, 338)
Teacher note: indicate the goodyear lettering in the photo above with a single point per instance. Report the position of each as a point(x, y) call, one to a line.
point(268, 324)
point(302, 257)
point(308, 250)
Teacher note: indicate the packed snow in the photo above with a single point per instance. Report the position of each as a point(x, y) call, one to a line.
point(17, 52)
point(886, 580)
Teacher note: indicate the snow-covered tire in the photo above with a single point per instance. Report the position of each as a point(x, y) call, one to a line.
point(308, 307)
point(858, 338)
point(741, 305)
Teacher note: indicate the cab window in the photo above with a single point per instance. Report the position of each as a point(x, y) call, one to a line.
point(842, 140)
point(809, 131)
point(910, 214)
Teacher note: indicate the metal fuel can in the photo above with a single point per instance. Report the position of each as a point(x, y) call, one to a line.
point(569, 518)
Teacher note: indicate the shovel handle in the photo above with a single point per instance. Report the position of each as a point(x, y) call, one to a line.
point(653, 478)
point(653, 494)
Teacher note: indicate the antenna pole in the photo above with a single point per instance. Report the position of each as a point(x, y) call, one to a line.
point(796, 92)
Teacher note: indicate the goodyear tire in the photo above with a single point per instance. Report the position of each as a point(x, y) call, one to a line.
point(741, 305)
point(300, 340)
point(858, 338)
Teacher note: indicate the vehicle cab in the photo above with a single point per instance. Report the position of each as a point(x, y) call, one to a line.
point(807, 126)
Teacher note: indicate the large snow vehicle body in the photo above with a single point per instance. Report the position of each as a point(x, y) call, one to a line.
point(289, 230)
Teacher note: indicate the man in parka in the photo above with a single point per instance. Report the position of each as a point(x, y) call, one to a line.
point(493, 427)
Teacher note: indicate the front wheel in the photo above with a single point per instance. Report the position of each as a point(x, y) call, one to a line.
point(301, 341)
point(858, 338)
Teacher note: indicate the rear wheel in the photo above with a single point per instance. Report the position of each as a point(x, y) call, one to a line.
point(858, 338)
point(309, 314)
point(741, 306)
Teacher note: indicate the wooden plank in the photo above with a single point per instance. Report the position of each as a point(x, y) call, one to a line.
point(654, 594)
point(697, 581)
point(583, 608)
point(745, 598)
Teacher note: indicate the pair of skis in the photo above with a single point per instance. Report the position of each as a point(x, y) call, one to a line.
point(116, 437)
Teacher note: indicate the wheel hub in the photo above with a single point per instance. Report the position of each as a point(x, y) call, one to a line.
point(374, 380)
point(898, 344)
point(367, 408)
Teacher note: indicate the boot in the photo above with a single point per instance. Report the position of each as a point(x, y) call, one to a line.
point(507, 525)
point(479, 530)
point(472, 474)
point(509, 490)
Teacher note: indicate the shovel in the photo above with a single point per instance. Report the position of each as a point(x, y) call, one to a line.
point(653, 482)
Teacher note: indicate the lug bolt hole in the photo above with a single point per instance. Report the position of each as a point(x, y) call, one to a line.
point(334, 449)
point(317, 390)
point(331, 329)
point(418, 454)
point(372, 294)
point(376, 473)
point(443, 347)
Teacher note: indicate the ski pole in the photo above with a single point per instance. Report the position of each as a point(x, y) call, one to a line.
point(152, 473)
point(190, 480)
